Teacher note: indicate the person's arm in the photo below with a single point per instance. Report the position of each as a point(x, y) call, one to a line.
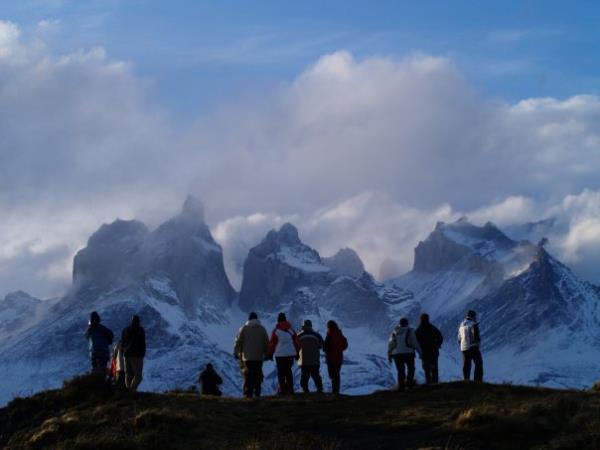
point(218, 379)
point(238, 344)
point(415, 343)
point(391, 343)
point(440, 338)
point(320, 338)
point(326, 344)
point(88, 332)
point(272, 344)
point(143, 334)
point(476, 334)
point(344, 343)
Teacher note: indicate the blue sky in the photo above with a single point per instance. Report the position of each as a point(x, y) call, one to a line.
point(198, 53)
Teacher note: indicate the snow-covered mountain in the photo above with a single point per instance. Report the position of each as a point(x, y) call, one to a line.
point(539, 322)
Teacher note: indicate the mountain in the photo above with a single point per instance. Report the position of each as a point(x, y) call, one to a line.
point(539, 322)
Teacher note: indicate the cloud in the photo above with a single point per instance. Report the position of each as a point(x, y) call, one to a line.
point(367, 153)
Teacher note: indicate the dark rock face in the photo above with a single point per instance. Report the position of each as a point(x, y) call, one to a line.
point(182, 249)
point(277, 267)
point(345, 262)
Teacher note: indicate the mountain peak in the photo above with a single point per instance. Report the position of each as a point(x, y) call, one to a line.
point(193, 208)
point(346, 262)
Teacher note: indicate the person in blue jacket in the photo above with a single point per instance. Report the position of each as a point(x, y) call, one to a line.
point(99, 341)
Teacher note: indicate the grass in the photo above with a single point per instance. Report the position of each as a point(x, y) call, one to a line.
point(87, 415)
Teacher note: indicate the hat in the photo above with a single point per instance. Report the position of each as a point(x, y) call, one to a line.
point(94, 317)
point(307, 323)
point(281, 317)
point(404, 321)
point(471, 314)
point(252, 316)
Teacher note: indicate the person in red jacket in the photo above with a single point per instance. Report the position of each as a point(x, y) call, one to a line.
point(284, 347)
point(334, 346)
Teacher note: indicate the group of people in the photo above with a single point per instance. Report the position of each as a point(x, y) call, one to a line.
point(253, 347)
point(426, 341)
point(127, 363)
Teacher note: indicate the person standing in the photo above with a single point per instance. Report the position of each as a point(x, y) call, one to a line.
point(250, 348)
point(99, 340)
point(284, 347)
point(401, 348)
point(430, 339)
point(133, 342)
point(311, 343)
point(334, 346)
point(470, 340)
point(209, 381)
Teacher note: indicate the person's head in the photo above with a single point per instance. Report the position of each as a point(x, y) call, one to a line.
point(209, 367)
point(424, 319)
point(404, 322)
point(94, 317)
point(281, 317)
point(471, 314)
point(135, 321)
point(332, 325)
point(307, 324)
point(252, 316)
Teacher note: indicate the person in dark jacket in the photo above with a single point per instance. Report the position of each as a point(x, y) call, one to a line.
point(311, 343)
point(133, 342)
point(430, 339)
point(99, 340)
point(334, 346)
point(209, 381)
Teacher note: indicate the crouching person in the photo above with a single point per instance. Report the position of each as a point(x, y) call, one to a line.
point(210, 381)
point(401, 348)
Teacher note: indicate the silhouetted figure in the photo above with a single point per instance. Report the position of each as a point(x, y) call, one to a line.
point(284, 347)
point(469, 339)
point(430, 339)
point(401, 348)
point(334, 346)
point(99, 340)
point(251, 347)
point(209, 381)
point(311, 343)
point(133, 341)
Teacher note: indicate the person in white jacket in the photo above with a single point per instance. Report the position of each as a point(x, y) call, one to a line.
point(401, 349)
point(469, 340)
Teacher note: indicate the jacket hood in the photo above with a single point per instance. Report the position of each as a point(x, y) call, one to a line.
point(283, 325)
point(253, 323)
point(334, 332)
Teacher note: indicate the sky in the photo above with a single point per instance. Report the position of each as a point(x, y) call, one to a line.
point(363, 123)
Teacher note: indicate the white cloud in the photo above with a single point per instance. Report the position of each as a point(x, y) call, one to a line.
point(364, 153)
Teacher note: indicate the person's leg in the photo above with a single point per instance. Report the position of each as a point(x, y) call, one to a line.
point(316, 376)
point(304, 376)
point(289, 375)
point(128, 372)
point(466, 365)
point(279, 362)
point(427, 370)
point(399, 361)
point(434, 370)
point(409, 360)
point(138, 373)
point(478, 375)
point(248, 376)
point(334, 375)
point(259, 379)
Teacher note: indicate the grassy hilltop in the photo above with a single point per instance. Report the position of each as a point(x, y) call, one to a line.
point(449, 416)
